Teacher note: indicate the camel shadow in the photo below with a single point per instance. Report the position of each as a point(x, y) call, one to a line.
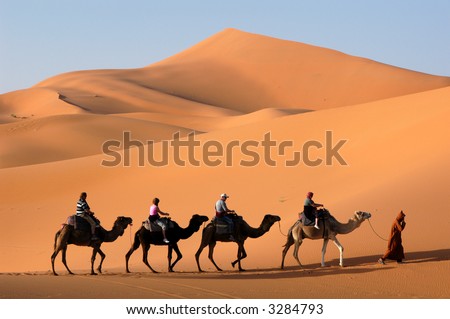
point(410, 257)
point(353, 266)
point(277, 273)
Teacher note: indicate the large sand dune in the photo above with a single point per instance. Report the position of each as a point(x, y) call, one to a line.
point(235, 87)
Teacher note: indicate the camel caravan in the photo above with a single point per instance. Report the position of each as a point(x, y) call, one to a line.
point(84, 229)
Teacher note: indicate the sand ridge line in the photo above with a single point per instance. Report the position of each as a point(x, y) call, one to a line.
point(213, 292)
point(157, 291)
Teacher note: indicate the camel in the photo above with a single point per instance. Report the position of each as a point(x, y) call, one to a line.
point(69, 235)
point(242, 231)
point(329, 228)
point(145, 238)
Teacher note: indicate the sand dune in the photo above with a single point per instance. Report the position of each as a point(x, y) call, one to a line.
point(208, 123)
point(85, 134)
point(232, 72)
point(382, 165)
point(61, 137)
point(236, 90)
point(30, 103)
point(279, 73)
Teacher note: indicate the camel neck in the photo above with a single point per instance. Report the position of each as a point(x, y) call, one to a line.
point(257, 232)
point(113, 234)
point(350, 226)
point(187, 232)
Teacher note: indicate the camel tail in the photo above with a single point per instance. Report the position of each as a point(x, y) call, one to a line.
point(290, 238)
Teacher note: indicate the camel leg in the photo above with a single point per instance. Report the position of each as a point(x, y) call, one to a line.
point(210, 255)
point(127, 258)
point(198, 253)
point(55, 253)
point(145, 249)
point(241, 255)
point(324, 250)
point(179, 256)
point(341, 251)
point(169, 255)
point(60, 244)
point(94, 254)
point(135, 246)
point(53, 262)
point(297, 245)
point(63, 252)
point(102, 255)
point(56, 249)
point(289, 243)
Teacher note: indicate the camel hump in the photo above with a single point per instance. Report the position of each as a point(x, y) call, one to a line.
point(79, 223)
point(222, 226)
point(154, 227)
point(324, 213)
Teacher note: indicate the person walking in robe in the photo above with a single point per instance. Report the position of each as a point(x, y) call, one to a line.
point(395, 247)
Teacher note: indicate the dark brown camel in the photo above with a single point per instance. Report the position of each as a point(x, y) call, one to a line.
point(145, 238)
point(242, 231)
point(69, 235)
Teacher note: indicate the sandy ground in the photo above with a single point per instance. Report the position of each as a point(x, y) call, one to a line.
point(361, 279)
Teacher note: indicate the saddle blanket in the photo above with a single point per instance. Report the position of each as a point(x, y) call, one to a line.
point(222, 227)
point(311, 220)
point(79, 223)
point(154, 227)
point(305, 220)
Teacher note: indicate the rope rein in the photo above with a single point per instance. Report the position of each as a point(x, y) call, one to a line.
point(375, 231)
point(279, 227)
point(130, 233)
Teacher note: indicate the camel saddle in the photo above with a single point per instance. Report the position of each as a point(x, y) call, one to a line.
point(309, 219)
point(79, 223)
point(222, 227)
point(154, 227)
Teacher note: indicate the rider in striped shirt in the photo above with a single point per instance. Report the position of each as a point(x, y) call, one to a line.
point(84, 211)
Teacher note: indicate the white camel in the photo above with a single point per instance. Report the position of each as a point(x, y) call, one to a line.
point(329, 228)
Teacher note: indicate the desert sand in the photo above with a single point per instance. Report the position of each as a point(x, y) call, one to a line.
point(235, 87)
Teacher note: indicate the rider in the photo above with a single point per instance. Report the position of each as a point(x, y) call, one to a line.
point(154, 217)
point(222, 212)
point(84, 211)
point(310, 207)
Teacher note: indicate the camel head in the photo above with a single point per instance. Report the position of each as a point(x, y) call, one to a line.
point(199, 219)
point(123, 222)
point(270, 220)
point(362, 216)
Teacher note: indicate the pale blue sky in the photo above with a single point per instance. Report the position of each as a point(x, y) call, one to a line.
point(43, 38)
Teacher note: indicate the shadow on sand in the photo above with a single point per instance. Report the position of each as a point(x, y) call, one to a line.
point(354, 265)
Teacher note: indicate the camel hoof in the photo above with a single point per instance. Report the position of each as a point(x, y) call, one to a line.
point(93, 274)
point(242, 269)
